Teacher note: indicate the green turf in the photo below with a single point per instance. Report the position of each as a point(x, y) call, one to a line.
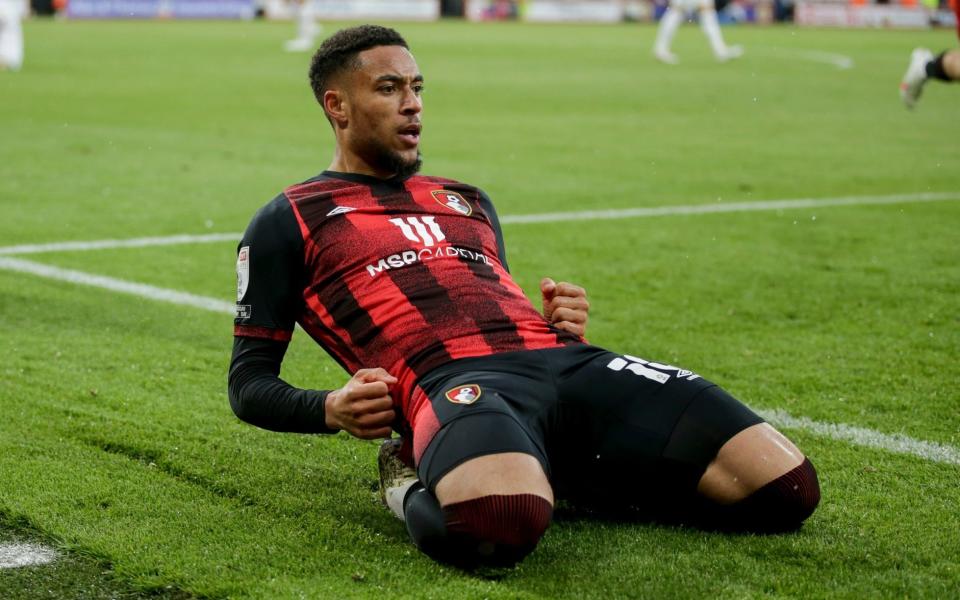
point(117, 441)
point(71, 575)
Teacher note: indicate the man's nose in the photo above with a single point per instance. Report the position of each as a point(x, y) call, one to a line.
point(412, 103)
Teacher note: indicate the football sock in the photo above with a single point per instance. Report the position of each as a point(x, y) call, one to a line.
point(711, 28)
point(496, 530)
point(424, 520)
point(307, 27)
point(935, 68)
point(781, 505)
point(668, 28)
point(500, 530)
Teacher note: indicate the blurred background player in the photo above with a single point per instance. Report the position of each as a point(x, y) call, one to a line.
point(11, 34)
point(305, 14)
point(671, 20)
point(924, 65)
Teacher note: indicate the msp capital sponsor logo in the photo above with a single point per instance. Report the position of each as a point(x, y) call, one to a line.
point(453, 201)
point(464, 394)
point(409, 257)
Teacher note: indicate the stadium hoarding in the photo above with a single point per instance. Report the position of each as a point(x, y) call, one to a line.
point(347, 10)
point(578, 11)
point(161, 9)
point(834, 14)
point(394, 10)
point(397, 10)
point(556, 11)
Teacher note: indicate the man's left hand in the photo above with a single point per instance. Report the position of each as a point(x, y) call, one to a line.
point(565, 305)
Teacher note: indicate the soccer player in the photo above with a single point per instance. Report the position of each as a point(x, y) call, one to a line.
point(924, 66)
point(307, 27)
point(670, 21)
point(403, 279)
point(11, 34)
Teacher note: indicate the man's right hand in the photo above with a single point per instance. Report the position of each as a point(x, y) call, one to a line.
point(363, 407)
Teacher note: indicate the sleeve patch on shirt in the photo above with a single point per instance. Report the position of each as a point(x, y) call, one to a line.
point(243, 272)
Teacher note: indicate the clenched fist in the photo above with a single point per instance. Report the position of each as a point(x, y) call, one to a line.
point(363, 407)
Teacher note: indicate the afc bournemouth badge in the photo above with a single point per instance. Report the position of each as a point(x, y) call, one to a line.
point(243, 272)
point(464, 394)
point(453, 201)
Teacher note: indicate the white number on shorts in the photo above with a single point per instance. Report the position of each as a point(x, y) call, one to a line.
point(645, 368)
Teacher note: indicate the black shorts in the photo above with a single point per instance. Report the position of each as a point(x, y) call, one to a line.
point(600, 423)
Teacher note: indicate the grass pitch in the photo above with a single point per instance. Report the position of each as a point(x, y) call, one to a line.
point(117, 442)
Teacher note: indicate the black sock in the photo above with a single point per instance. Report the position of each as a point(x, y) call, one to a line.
point(935, 68)
point(425, 522)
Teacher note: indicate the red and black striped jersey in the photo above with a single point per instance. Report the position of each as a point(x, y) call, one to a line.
point(406, 275)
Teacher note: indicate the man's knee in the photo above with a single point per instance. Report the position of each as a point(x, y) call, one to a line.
point(498, 530)
point(495, 510)
point(786, 502)
point(781, 505)
point(748, 461)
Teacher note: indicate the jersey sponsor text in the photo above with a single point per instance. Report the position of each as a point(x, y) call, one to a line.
point(409, 257)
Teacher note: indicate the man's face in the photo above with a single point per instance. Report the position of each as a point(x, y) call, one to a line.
point(383, 111)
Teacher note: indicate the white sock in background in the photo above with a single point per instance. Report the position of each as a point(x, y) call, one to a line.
point(669, 23)
point(711, 28)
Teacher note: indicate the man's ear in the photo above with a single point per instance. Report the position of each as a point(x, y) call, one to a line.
point(335, 105)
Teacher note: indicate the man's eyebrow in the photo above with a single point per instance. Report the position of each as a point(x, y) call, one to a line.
point(398, 78)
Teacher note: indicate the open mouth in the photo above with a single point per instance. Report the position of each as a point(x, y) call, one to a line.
point(410, 134)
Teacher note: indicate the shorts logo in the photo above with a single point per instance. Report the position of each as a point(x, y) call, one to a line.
point(243, 272)
point(453, 201)
point(464, 394)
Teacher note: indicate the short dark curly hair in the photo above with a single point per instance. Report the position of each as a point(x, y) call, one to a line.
point(339, 52)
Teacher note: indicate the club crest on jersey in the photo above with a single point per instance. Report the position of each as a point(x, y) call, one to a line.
point(243, 272)
point(464, 394)
point(453, 201)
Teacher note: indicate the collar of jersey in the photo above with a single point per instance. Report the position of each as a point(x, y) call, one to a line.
point(364, 179)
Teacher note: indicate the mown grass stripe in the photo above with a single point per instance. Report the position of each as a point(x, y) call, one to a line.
point(585, 215)
point(900, 444)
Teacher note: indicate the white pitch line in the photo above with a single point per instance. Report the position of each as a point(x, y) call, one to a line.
point(840, 61)
point(587, 215)
point(24, 555)
point(117, 285)
point(729, 207)
point(128, 243)
point(897, 443)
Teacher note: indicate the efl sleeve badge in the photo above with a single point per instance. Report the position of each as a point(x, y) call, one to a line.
point(243, 272)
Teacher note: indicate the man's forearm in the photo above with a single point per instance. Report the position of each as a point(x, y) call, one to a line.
point(259, 397)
